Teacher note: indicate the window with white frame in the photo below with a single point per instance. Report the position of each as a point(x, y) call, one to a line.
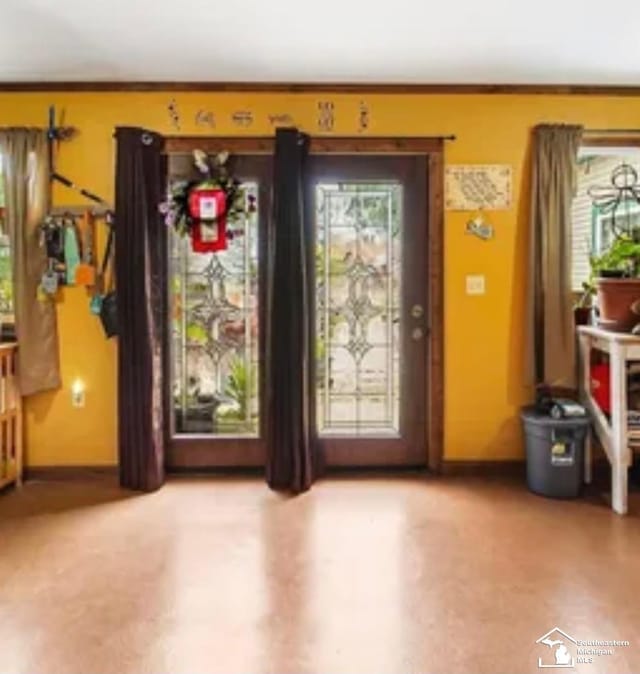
point(592, 229)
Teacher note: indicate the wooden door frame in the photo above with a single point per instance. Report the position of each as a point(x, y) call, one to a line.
point(433, 148)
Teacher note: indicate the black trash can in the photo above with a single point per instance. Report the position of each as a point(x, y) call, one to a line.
point(555, 453)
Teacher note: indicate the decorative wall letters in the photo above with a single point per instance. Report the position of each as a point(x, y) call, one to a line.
point(363, 118)
point(325, 116)
point(205, 118)
point(281, 119)
point(242, 118)
point(174, 115)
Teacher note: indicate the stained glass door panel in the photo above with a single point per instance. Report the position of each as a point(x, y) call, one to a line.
point(216, 334)
point(369, 216)
point(358, 283)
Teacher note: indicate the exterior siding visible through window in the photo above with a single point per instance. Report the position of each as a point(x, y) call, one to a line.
point(591, 229)
point(6, 275)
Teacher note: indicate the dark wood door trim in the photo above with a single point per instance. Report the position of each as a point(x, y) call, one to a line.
point(409, 447)
point(204, 451)
point(435, 355)
point(434, 149)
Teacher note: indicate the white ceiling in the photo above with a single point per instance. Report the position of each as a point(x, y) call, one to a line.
point(421, 41)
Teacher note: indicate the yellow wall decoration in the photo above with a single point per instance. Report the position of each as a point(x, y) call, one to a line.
point(483, 334)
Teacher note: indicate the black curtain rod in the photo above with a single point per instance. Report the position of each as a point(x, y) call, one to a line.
point(67, 132)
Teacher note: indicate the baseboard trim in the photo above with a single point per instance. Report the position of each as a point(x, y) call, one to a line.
point(69, 473)
point(76, 473)
point(510, 467)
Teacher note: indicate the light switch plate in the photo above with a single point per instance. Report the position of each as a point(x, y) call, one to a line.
point(475, 284)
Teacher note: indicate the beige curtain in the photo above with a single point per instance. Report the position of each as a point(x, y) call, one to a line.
point(25, 170)
point(550, 356)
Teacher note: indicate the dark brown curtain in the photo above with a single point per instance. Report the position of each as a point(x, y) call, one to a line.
point(142, 307)
point(550, 356)
point(289, 352)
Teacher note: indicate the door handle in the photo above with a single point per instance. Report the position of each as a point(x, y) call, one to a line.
point(417, 334)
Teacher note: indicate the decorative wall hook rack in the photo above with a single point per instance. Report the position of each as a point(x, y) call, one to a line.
point(63, 133)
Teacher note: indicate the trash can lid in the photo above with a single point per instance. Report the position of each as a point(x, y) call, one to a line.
point(530, 414)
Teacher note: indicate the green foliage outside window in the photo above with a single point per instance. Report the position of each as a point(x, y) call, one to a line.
point(6, 276)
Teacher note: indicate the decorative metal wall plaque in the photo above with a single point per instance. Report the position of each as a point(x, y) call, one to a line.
point(619, 200)
point(205, 118)
point(469, 187)
point(325, 116)
point(242, 118)
point(282, 119)
point(478, 227)
point(174, 115)
point(363, 117)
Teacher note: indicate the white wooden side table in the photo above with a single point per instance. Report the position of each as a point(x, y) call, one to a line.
point(614, 435)
point(10, 418)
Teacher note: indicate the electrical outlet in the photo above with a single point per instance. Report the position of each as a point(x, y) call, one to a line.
point(475, 284)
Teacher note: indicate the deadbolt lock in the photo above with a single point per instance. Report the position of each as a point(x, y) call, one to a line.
point(417, 334)
point(417, 311)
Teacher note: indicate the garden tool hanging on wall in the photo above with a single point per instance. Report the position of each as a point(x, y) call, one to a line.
point(86, 270)
point(71, 251)
point(99, 287)
point(59, 236)
point(52, 238)
point(104, 302)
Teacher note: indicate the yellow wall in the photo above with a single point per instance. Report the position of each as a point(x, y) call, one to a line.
point(484, 335)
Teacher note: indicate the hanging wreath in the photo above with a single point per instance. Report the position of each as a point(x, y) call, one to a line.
point(203, 208)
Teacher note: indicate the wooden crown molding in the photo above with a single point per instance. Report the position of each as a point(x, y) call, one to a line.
point(326, 87)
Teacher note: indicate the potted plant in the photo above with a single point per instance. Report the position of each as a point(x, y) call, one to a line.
point(583, 306)
point(616, 275)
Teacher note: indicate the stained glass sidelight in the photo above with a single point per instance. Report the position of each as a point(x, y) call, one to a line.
point(358, 286)
point(215, 353)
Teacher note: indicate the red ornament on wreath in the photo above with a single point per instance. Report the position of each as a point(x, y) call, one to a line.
point(208, 211)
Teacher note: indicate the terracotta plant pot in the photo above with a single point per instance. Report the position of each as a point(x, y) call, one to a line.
point(619, 303)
